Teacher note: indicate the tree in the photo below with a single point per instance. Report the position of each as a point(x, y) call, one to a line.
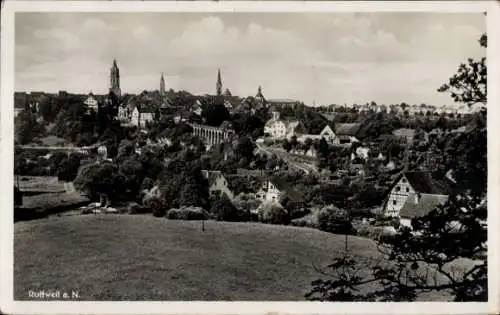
point(26, 127)
point(429, 256)
point(245, 148)
point(214, 112)
point(224, 210)
point(468, 85)
point(99, 180)
point(68, 168)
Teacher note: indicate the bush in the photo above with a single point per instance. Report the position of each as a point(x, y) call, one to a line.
point(273, 213)
point(310, 220)
point(135, 208)
point(188, 213)
point(224, 210)
point(334, 220)
point(157, 206)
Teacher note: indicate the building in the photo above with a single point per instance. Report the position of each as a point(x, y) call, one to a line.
point(114, 79)
point(327, 134)
point(162, 85)
point(405, 134)
point(217, 184)
point(91, 102)
point(415, 194)
point(347, 133)
point(218, 84)
point(141, 115)
point(282, 103)
point(282, 129)
point(268, 192)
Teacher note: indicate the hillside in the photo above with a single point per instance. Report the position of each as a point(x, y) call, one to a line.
point(145, 258)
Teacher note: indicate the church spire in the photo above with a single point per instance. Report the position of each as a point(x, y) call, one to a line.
point(162, 85)
point(218, 85)
point(114, 79)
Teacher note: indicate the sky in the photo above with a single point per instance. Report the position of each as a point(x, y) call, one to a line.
point(319, 58)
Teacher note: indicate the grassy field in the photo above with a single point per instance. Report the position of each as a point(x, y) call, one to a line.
point(122, 257)
point(41, 205)
point(48, 184)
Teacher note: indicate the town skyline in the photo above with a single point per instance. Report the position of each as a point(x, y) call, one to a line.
point(326, 58)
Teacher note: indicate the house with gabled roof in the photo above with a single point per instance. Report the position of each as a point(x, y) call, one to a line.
point(348, 133)
point(217, 184)
point(283, 129)
point(415, 194)
point(141, 115)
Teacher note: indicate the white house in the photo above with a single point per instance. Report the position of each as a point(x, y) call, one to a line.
point(142, 115)
point(281, 129)
point(327, 134)
point(415, 194)
point(91, 102)
point(268, 192)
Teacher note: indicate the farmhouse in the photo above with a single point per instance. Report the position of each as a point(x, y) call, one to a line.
point(327, 134)
point(282, 129)
point(347, 133)
point(91, 102)
point(217, 184)
point(268, 192)
point(415, 194)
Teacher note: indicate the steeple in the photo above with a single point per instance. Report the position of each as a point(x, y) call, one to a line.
point(114, 79)
point(259, 93)
point(218, 86)
point(162, 85)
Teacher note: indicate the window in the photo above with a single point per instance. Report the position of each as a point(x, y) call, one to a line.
point(394, 202)
point(398, 188)
point(407, 189)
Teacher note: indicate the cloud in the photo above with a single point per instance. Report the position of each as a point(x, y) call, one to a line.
point(341, 57)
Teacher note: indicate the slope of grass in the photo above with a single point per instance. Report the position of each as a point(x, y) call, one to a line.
point(146, 258)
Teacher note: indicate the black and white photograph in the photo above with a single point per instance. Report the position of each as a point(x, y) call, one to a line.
point(248, 155)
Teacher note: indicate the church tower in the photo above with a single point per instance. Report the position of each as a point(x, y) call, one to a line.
point(114, 81)
point(162, 85)
point(218, 86)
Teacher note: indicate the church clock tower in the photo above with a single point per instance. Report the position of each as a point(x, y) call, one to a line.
point(114, 79)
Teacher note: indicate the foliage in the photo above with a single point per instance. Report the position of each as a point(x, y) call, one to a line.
point(99, 179)
point(214, 112)
point(187, 213)
point(157, 206)
point(273, 213)
point(26, 127)
point(224, 210)
point(334, 220)
point(68, 168)
point(424, 258)
point(468, 85)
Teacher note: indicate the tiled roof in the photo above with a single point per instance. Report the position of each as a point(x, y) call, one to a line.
point(426, 203)
point(428, 183)
point(404, 132)
point(211, 176)
point(350, 129)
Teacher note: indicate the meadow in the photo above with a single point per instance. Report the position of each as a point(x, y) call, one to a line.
point(124, 257)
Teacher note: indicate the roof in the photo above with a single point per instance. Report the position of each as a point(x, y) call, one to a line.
point(211, 176)
point(425, 204)
point(404, 132)
point(282, 100)
point(350, 129)
point(427, 183)
point(144, 108)
point(284, 186)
